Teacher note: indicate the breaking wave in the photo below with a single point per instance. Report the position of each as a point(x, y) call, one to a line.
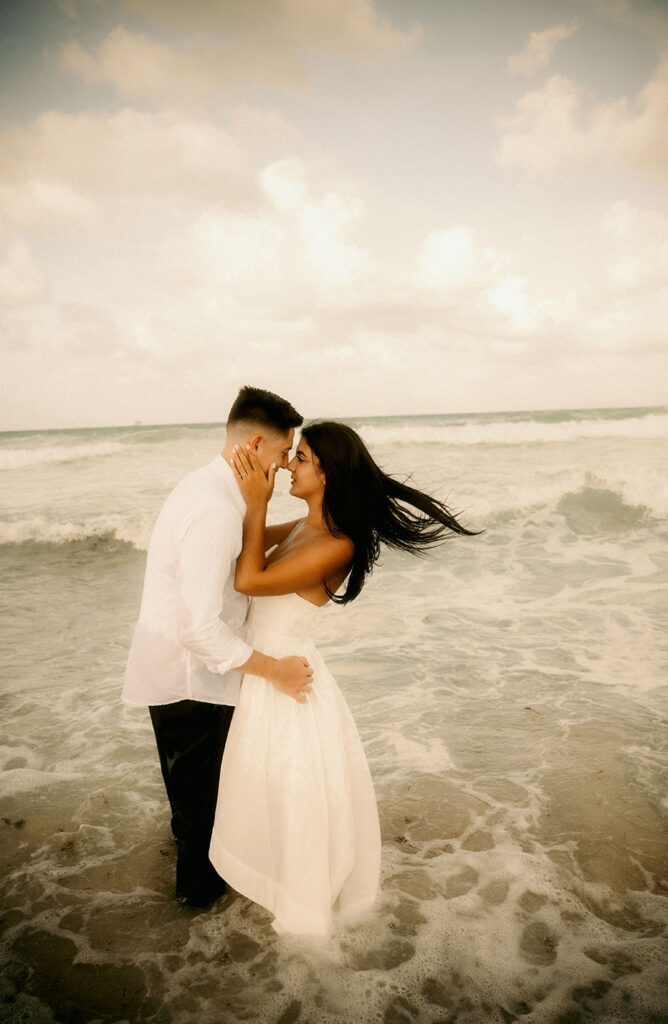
point(582, 498)
point(20, 458)
point(40, 530)
point(528, 431)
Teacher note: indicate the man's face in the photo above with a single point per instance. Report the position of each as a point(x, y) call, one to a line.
point(275, 448)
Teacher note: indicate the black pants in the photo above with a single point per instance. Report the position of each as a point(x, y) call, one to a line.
point(191, 738)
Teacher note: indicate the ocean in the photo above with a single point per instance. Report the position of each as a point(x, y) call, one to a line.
point(510, 690)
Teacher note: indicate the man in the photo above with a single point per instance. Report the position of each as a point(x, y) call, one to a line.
point(188, 651)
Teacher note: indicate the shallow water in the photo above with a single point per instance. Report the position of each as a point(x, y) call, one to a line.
point(511, 694)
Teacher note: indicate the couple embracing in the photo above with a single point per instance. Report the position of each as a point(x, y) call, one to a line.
point(266, 776)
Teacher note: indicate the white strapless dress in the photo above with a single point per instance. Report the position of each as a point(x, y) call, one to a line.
point(296, 826)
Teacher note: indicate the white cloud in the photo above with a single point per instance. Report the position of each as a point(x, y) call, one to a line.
point(262, 131)
point(549, 129)
point(345, 27)
point(130, 61)
point(21, 282)
point(538, 50)
point(641, 129)
point(156, 158)
point(232, 44)
point(283, 280)
point(477, 285)
point(265, 290)
point(630, 16)
point(47, 207)
point(450, 259)
point(285, 184)
point(316, 230)
point(543, 135)
point(510, 297)
point(635, 243)
point(237, 275)
point(138, 67)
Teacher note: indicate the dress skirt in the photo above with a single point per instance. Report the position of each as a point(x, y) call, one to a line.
point(296, 827)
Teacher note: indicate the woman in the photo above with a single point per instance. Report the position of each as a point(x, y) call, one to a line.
point(296, 827)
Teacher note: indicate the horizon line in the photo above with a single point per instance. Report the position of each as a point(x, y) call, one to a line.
point(140, 425)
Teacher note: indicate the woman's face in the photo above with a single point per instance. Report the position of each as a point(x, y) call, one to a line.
point(308, 480)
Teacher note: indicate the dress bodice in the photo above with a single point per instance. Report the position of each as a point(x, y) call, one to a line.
point(286, 615)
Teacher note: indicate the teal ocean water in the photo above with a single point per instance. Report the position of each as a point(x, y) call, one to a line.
point(510, 690)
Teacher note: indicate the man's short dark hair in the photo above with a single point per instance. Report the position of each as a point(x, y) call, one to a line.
point(264, 408)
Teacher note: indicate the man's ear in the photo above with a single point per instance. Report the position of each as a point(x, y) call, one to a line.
point(254, 442)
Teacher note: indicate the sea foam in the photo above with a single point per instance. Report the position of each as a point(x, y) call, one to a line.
point(508, 691)
point(614, 498)
point(20, 458)
point(41, 530)
point(504, 432)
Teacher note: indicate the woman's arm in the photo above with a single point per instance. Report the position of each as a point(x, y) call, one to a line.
point(273, 535)
point(308, 567)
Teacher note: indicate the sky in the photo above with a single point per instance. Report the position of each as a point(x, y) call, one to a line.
point(372, 207)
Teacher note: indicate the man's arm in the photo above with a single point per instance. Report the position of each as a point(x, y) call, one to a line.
point(205, 563)
point(292, 675)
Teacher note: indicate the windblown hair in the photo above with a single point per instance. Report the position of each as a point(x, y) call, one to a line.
point(371, 508)
point(264, 409)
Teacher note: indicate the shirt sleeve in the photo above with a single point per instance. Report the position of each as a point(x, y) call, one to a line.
point(208, 555)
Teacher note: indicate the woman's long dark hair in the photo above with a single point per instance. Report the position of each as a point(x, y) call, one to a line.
point(368, 506)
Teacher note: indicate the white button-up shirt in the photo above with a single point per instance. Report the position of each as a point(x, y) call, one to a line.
point(188, 640)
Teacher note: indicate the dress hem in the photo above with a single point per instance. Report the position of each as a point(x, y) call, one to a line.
point(261, 889)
